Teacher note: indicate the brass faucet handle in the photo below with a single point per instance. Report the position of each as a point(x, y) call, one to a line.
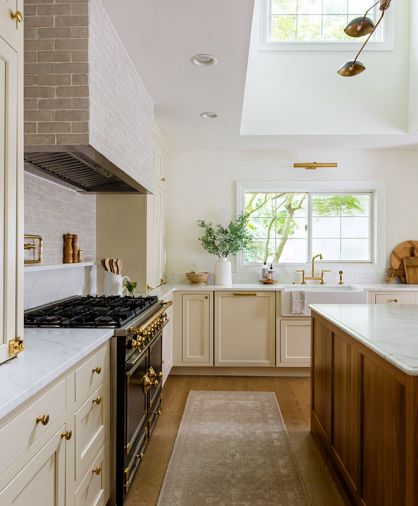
point(302, 271)
point(323, 271)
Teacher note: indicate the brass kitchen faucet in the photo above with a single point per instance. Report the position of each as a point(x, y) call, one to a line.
point(313, 277)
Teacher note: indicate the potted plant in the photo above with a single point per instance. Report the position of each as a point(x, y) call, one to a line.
point(131, 287)
point(224, 241)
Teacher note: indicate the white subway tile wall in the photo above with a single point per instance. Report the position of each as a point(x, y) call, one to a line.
point(52, 210)
point(121, 111)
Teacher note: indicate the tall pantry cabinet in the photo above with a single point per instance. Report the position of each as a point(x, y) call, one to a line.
point(11, 178)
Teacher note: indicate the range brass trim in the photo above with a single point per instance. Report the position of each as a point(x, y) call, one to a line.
point(142, 328)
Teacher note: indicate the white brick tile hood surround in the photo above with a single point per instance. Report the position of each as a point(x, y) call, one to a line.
point(81, 87)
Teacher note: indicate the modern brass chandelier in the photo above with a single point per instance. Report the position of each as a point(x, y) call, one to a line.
point(358, 27)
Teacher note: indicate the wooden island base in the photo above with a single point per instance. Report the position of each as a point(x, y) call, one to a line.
point(364, 418)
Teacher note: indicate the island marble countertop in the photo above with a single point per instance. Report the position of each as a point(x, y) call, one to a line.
point(166, 291)
point(48, 354)
point(389, 330)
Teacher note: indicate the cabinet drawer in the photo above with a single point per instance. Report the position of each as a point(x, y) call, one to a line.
point(91, 374)
point(395, 298)
point(19, 435)
point(93, 488)
point(91, 424)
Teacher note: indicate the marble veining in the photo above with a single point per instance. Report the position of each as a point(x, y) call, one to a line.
point(390, 330)
point(48, 354)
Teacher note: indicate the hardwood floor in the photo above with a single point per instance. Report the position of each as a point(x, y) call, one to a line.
point(293, 395)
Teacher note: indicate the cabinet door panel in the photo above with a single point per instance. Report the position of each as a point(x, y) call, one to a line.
point(384, 415)
point(322, 375)
point(42, 480)
point(197, 329)
point(295, 343)
point(347, 395)
point(245, 329)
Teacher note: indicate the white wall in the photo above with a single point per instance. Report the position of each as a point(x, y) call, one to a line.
point(413, 78)
point(201, 184)
point(300, 92)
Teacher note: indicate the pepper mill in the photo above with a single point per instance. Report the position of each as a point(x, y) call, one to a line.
point(75, 248)
point(68, 249)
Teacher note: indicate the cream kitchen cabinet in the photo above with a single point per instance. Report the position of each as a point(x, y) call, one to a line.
point(194, 329)
point(295, 343)
point(245, 329)
point(393, 297)
point(11, 179)
point(55, 449)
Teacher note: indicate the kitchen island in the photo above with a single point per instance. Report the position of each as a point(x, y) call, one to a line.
point(364, 414)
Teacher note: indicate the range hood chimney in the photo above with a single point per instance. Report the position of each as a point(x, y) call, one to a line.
point(88, 118)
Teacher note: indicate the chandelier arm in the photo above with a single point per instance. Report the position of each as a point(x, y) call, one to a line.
point(368, 38)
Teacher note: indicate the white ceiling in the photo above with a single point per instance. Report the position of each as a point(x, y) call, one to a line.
point(162, 35)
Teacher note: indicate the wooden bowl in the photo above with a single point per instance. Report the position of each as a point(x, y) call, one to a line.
point(197, 277)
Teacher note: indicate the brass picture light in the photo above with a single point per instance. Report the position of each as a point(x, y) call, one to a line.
point(358, 27)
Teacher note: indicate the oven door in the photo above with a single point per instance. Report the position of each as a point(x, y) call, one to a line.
point(136, 401)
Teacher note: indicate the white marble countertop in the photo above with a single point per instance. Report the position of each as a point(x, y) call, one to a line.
point(48, 354)
point(389, 330)
point(166, 291)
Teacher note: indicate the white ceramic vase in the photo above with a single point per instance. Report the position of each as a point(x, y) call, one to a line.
point(223, 272)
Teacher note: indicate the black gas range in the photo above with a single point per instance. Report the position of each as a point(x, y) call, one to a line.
point(136, 363)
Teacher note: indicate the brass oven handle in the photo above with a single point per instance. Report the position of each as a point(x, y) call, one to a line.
point(97, 370)
point(43, 419)
point(97, 470)
point(143, 327)
point(244, 294)
point(97, 401)
point(67, 435)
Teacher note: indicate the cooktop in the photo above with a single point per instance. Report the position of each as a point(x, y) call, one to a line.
point(89, 312)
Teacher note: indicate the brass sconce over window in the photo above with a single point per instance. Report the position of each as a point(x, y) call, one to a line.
point(314, 165)
point(359, 27)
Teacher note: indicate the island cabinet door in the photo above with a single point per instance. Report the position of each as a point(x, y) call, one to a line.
point(244, 329)
point(322, 344)
point(384, 438)
point(346, 409)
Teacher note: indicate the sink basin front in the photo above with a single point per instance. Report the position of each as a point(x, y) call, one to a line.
point(322, 294)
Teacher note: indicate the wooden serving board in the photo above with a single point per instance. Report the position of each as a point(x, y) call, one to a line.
point(411, 270)
point(402, 250)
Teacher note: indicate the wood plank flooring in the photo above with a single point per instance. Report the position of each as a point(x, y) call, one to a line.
point(293, 395)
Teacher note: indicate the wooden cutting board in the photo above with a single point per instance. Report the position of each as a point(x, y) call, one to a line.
point(402, 250)
point(411, 270)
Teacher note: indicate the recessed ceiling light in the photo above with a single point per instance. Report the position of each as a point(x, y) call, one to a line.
point(204, 60)
point(209, 115)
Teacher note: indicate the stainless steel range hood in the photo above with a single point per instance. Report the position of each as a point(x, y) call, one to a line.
point(81, 167)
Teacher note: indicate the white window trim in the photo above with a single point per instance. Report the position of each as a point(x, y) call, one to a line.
point(265, 44)
point(378, 214)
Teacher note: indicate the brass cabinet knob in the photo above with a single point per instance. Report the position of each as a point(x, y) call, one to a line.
point(67, 435)
point(97, 400)
point(97, 370)
point(16, 16)
point(146, 382)
point(43, 419)
point(151, 373)
point(97, 470)
point(163, 179)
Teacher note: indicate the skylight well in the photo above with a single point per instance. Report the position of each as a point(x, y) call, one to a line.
point(314, 21)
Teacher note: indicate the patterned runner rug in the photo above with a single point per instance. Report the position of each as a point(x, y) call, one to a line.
point(232, 448)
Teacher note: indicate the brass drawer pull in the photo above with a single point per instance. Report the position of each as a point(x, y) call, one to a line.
point(97, 400)
point(244, 294)
point(393, 300)
point(97, 370)
point(17, 16)
point(67, 435)
point(43, 419)
point(97, 470)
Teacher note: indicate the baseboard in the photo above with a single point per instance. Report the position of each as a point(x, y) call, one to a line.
point(302, 372)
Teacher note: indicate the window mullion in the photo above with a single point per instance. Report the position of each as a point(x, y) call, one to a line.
point(309, 226)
